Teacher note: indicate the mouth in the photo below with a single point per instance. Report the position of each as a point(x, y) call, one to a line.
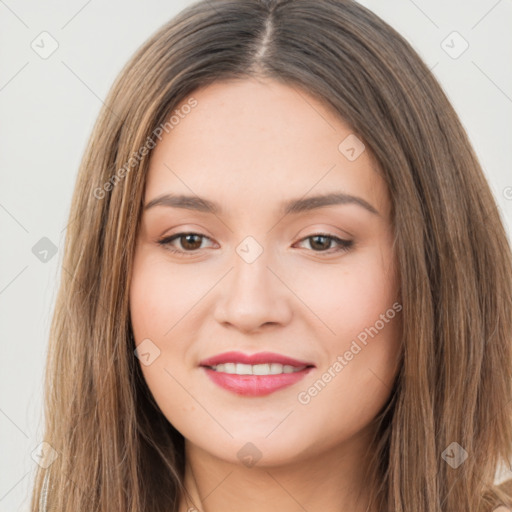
point(254, 375)
point(256, 369)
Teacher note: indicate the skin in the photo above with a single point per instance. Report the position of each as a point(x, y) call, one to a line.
point(249, 145)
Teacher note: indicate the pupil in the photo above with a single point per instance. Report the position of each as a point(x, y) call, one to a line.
point(187, 241)
point(321, 246)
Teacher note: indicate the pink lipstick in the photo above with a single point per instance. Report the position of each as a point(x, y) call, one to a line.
point(256, 374)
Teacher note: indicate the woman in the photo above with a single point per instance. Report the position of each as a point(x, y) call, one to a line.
point(287, 282)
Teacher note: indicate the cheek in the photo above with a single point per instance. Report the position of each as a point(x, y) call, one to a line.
point(159, 297)
point(366, 311)
point(350, 297)
point(356, 381)
point(158, 311)
point(161, 307)
point(362, 344)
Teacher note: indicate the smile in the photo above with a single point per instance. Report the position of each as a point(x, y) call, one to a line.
point(254, 374)
point(256, 369)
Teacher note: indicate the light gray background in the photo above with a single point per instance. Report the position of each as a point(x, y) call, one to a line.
point(48, 107)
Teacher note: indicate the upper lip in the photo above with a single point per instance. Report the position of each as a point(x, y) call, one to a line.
point(258, 358)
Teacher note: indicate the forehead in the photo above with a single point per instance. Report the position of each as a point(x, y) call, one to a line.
point(253, 138)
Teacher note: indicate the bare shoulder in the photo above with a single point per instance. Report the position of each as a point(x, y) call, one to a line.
point(501, 509)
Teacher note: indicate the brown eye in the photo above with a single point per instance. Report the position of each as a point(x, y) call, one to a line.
point(321, 242)
point(188, 242)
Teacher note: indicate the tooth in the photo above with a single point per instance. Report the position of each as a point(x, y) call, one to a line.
point(243, 369)
point(229, 367)
point(276, 368)
point(261, 369)
point(256, 369)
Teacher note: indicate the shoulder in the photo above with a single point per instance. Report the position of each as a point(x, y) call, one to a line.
point(501, 509)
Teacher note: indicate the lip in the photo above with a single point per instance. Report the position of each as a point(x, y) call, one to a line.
point(254, 385)
point(258, 358)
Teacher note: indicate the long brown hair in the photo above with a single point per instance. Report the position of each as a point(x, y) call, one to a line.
point(115, 447)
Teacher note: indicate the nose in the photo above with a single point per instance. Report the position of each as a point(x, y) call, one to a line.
point(253, 295)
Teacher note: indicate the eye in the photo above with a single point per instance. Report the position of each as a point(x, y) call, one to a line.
point(321, 242)
point(191, 243)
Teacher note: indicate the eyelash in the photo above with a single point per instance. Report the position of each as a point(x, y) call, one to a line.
point(344, 245)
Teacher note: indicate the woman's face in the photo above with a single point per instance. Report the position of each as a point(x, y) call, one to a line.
point(265, 269)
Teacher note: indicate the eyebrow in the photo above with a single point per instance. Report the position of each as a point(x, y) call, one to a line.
point(293, 206)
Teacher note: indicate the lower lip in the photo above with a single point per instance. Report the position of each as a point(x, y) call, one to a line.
point(255, 385)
